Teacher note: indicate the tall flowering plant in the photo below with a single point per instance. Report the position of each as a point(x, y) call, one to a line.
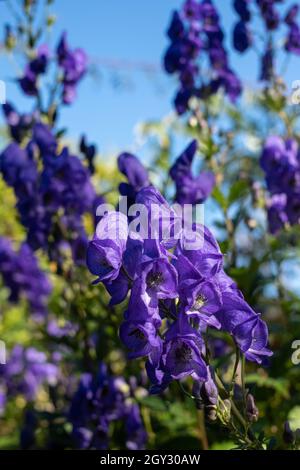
point(92, 277)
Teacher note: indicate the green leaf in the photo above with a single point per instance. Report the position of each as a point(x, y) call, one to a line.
point(238, 190)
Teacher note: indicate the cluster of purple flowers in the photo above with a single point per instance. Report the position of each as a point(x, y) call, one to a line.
point(273, 21)
point(72, 63)
point(24, 373)
point(53, 191)
point(196, 34)
point(100, 401)
point(176, 292)
point(280, 161)
point(23, 277)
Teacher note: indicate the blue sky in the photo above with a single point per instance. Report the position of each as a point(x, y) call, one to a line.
point(125, 32)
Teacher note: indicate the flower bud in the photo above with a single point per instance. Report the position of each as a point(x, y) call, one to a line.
point(211, 412)
point(10, 39)
point(251, 409)
point(225, 409)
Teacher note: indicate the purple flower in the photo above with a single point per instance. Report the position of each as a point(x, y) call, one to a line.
point(182, 352)
point(292, 14)
point(293, 39)
point(135, 173)
point(98, 402)
point(242, 38)
point(74, 65)
point(26, 371)
point(207, 259)
point(22, 275)
point(105, 251)
point(269, 14)
point(210, 17)
point(246, 327)
point(190, 189)
point(16, 166)
point(44, 139)
point(136, 434)
point(159, 279)
point(192, 10)
point(252, 338)
point(267, 64)
point(19, 124)
point(195, 33)
point(28, 83)
point(176, 28)
point(140, 338)
point(39, 64)
point(89, 151)
point(206, 390)
point(242, 8)
point(277, 212)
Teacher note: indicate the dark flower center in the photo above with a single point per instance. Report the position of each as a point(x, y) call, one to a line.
point(137, 334)
point(154, 279)
point(183, 353)
point(199, 302)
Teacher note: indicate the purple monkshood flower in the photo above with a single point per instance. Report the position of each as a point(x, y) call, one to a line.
point(140, 338)
point(36, 67)
point(16, 166)
point(267, 64)
point(105, 251)
point(159, 279)
point(252, 338)
point(281, 163)
point(206, 391)
point(200, 298)
point(39, 64)
point(28, 83)
point(74, 65)
point(293, 39)
point(192, 10)
point(207, 258)
point(59, 331)
point(176, 28)
point(59, 184)
point(136, 434)
point(44, 139)
point(186, 288)
point(246, 327)
point(195, 32)
point(23, 277)
point(292, 14)
point(242, 8)
point(25, 372)
point(99, 402)
point(89, 151)
point(269, 13)
point(19, 124)
point(135, 173)
point(181, 356)
point(242, 38)
point(277, 212)
point(190, 189)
